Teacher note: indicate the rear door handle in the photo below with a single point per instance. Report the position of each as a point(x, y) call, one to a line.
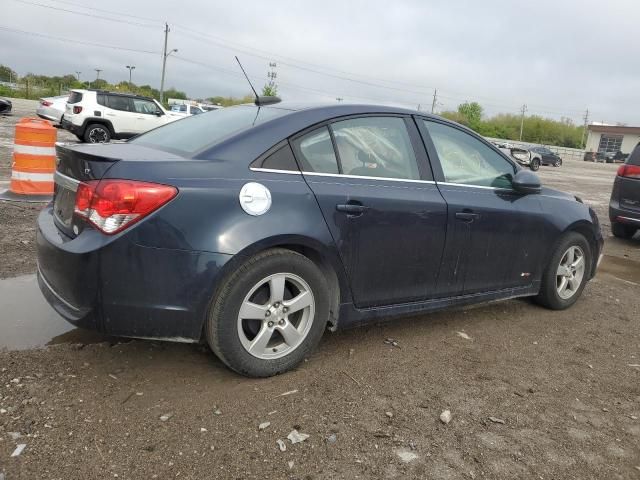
point(352, 208)
point(467, 216)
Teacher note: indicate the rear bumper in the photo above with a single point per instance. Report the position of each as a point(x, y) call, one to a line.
point(623, 215)
point(75, 129)
point(115, 286)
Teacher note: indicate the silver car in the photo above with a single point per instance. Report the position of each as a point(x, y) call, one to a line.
point(52, 108)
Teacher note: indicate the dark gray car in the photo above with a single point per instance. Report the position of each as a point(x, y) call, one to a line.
point(624, 207)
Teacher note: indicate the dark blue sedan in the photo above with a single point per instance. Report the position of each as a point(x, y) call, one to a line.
point(256, 228)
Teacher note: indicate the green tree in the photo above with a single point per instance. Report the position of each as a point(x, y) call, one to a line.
point(7, 74)
point(270, 90)
point(229, 101)
point(472, 111)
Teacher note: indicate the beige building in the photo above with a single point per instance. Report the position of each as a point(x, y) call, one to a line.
point(612, 138)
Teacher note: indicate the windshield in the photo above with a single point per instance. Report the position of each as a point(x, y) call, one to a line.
point(197, 132)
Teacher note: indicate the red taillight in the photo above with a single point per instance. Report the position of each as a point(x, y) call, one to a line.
point(77, 109)
point(629, 171)
point(113, 205)
point(44, 103)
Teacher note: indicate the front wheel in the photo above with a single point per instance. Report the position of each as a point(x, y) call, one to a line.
point(535, 164)
point(269, 314)
point(567, 272)
point(557, 162)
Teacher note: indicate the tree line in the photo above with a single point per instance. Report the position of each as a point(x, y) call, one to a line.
point(536, 129)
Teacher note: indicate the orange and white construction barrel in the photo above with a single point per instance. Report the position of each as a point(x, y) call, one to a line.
point(34, 162)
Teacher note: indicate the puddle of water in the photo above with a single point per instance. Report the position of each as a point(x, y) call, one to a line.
point(27, 320)
point(622, 268)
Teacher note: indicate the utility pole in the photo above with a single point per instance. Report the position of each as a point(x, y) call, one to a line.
point(584, 130)
point(78, 75)
point(435, 100)
point(97, 74)
point(130, 67)
point(522, 111)
point(165, 54)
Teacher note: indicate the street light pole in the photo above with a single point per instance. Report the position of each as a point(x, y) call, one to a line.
point(98, 70)
point(130, 67)
point(78, 75)
point(165, 54)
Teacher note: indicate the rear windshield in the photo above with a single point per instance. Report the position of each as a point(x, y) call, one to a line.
point(75, 97)
point(195, 133)
point(634, 158)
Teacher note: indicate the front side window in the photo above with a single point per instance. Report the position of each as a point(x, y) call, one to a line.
point(144, 106)
point(315, 152)
point(375, 147)
point(468, 161)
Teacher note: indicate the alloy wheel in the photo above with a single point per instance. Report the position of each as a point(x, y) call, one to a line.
point(570, 272)
point(276, 316)
point(98, 135)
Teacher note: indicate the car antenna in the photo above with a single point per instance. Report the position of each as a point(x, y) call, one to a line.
point(260, 100)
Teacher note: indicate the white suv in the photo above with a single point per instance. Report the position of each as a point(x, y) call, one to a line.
point(97, 116)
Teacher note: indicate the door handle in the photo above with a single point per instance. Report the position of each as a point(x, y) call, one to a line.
point(352, 209)
point(467, 216)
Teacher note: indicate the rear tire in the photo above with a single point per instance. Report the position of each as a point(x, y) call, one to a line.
point(562, 281)
point(247, 308)
point(97, 133)
point(623, 231)
point(535, 164)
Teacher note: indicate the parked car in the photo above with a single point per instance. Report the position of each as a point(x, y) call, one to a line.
point(184, 110)
point(624, 206)
point(5, 106)
point(524, 157)
point(52, 108)
point(547, 157)
point(259, 227)
point(97, 116)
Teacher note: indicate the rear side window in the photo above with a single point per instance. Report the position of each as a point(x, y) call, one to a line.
point(634, 157)
point(375, 147)
point(75, 97)
point(119, 103)
point(101, 100)
point(197, 132)
point(315, 152)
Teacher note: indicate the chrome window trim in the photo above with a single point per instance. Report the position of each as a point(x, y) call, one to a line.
point(275, 170)
point(475, 186)
point(66, 182)
point(341, 175)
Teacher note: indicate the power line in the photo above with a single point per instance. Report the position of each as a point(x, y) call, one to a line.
point(84, 14)
point(69, 40)
point(118, 14)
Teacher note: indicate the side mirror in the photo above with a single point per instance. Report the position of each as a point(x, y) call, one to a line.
point(525, 181)
point(159, 113)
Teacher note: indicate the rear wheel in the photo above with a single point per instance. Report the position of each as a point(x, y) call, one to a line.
point(97, 133)
point(567, 272)
point(623, 231)
point(269, 314)
point(535, 164)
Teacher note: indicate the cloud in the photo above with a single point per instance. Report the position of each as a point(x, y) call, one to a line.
point(557, 57)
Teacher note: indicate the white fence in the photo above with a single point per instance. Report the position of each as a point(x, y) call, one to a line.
point(564, 152)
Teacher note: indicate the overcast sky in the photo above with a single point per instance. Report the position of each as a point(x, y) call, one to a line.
point(558, 57)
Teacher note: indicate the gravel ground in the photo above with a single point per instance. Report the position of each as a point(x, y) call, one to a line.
point(532, 393)
point(17, 252)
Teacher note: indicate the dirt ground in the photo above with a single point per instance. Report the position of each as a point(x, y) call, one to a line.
point(532, 393)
